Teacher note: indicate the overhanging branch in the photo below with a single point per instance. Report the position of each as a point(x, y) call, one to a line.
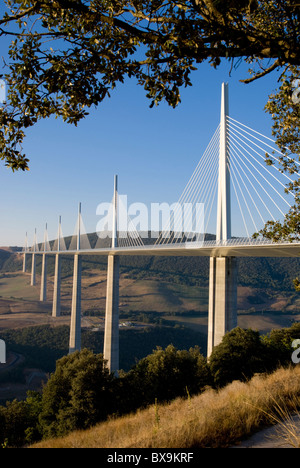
point(273, 67)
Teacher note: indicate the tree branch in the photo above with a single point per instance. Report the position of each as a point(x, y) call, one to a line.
point(273, 67)
point(20, 15)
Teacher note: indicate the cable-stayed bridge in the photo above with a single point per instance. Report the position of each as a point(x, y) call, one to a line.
point(231, 194)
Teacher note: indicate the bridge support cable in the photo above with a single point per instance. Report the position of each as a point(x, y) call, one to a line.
point(104, 228)
point(128, 235)
point(244, 190)
point(205, 195)
point(59, 245)
point(274, 149)
point(35, 246)
point(253, 152)
point(240, 207)
point(238, 163)
point(188, 217)
point(261, 191)
point(45, 247)
point(80, 239)
point(262, 184)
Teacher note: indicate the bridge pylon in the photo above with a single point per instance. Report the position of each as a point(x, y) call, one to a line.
point(43, 293)
point(222, 313)
point(25, 255)
point(75, 326)
point(111, 334)
point(33, 262)
point(56, 304)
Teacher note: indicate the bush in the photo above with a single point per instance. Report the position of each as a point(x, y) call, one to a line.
point(19, 421)
point(239, 356)
point(165, 375)
point(77, 395)
point(278, 345)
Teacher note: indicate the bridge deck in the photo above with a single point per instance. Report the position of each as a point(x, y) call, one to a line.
point(194, 250)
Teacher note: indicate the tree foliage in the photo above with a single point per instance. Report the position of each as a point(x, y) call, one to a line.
point(238, 357)
point(284, 107)
point(278, 345)
point(164, 375)
point(67, 55)
point(19, 421)
point(82, 392)
point(77, 395)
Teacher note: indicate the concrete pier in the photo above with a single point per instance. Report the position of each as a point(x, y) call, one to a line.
point(222, 314)
point(25, 258)
point(43, 293)
point(33, 261)
point(75, 327)
point(111, 336)
point(33, 270)
point(56, 306)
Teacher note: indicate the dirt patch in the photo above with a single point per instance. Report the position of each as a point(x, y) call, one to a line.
point(282, 435)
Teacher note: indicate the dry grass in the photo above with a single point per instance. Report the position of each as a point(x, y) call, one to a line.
point(212, 419)
point(286, 416)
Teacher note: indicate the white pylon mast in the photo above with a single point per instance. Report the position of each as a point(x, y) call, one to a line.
point(78, 228)
point(35, 242)
point(114, 240)
point(26, 243)
point(59, 233)
point(224, 208)
point(45, 238)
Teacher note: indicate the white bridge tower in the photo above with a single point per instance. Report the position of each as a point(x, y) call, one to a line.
point(222, 314)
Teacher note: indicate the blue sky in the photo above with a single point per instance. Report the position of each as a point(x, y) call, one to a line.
point(153, 151)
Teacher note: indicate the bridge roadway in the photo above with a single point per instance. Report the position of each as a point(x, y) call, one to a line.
point(231, 248)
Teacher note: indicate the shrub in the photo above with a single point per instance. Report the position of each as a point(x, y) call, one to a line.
point(278, 345)
point(239, 356)
point(165, 375)
point(19, 421)
point(77, 395)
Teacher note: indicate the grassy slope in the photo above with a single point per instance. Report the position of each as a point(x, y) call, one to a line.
point(212, 419)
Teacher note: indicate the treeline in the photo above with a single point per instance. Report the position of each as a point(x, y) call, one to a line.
point(81, 392)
